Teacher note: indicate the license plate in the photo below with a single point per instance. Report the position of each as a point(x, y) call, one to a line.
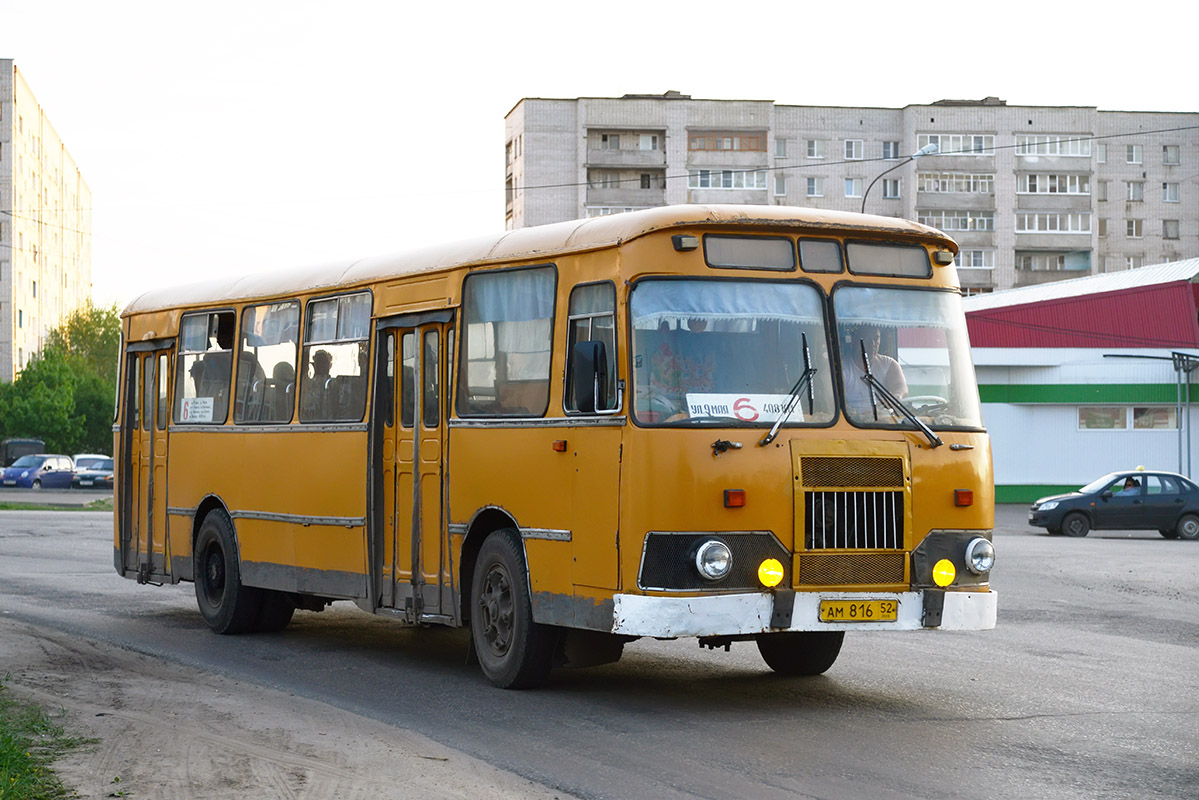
point(859, 610)
point(10, 483)
point(86, 483)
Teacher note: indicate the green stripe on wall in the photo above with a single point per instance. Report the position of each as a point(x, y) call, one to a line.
point(1027, 492)
point(1084, 393)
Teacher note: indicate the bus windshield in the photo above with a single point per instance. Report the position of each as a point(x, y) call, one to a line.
point(729, 352)
point(918, 353)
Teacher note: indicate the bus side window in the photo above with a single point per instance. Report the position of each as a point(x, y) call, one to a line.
point(204, 370)
point(407, 378)
point(592, 318)
point(336, 348)
point(266, 363)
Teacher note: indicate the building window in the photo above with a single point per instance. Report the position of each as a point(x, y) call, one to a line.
point(649, 141)
point(1154, 418)
point(1042, 222)
point(1101, 153)
point(610, 141)
point(853, 187)
point(1052, 145)
point(958, 144)
point(815, 187)
point(780, 184)
point(20, 318)
point(1103, 190)
point(604, 179)
point(1102, 227)
point(1133, 154)
point(33, 288)
point(1133, 228)
point(891, 188)
point(971, 291)
point(1170, 154)
point(1034, 183)
point(976, 259)
point(956, 182)
point(780, 148)
point(958, 220)
point(727, 140)
point(890, 150)
point(853, 149)
point(1136, 191)
point(1040, 262)
point(1135, 262)
point(815, 148)
point(726, 179)
point(1102, 418)
point(1169, 229)
point(1170, 192)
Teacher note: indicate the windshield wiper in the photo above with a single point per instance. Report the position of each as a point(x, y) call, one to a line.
point(805, 380)
point(894, 402)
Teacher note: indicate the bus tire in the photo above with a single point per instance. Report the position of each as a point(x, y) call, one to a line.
point(1076, 525)
point(513, 651)
point(1188, 527)
point(276, 613)
point(226, 604)
point(800, 652)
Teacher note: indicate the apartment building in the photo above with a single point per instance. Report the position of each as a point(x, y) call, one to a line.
point(1032, 194)
point(45, 226)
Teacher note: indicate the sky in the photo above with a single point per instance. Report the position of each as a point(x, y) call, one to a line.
point(237, 136)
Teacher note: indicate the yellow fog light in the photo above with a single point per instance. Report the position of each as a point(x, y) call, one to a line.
point(770, 572)
point(943, 572)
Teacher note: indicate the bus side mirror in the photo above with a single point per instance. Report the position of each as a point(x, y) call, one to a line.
point(589, 366)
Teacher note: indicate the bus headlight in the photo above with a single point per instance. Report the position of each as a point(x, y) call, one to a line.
point(714, 560)
point(980, 556)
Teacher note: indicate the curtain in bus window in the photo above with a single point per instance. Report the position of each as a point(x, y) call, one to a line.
point(507, 322)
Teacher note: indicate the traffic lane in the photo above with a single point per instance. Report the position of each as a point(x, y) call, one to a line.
point(1066, 698)
point(51, 497)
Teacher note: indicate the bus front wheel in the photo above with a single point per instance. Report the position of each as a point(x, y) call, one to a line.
point(513, 651)
point(226, 604)
point(800, 652)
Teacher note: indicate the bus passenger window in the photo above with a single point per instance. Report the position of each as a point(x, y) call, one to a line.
point(205, 364)
point(592, 318)
point(407, 378)
point(430, 396)
point(336, 348)
point(505, 349)
point(266, 363)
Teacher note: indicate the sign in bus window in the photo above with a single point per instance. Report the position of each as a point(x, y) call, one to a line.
point(908, 261)
point(749, 252)
point(507, 320)
point(724, 352)
point(204, 370)
point(333, 381)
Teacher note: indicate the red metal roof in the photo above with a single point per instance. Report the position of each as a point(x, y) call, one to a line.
point(1160, 315)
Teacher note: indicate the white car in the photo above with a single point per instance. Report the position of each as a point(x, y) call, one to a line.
point(89, 460)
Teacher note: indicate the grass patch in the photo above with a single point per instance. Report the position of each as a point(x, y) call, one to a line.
point(29, 743)
point(100, 504)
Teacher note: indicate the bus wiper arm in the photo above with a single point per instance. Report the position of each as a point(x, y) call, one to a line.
point(805, 380)
point(902, 407)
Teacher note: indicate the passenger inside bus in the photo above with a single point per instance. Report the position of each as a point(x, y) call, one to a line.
point(684, 362)
point(316, 390)
point(858, 396)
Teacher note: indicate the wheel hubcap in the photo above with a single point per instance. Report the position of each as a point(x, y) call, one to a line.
point(1190, 528)
point(496, 612)
point(214, 576)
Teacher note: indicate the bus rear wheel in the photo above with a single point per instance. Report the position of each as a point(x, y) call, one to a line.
point(226, 604)
point(513, 651)
point(800, 652)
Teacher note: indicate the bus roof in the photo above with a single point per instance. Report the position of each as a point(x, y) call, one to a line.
point(520, 245)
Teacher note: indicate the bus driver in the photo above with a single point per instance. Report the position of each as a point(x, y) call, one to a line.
point(884, 368)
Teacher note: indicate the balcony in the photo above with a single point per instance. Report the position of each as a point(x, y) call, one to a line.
point(626, 158)
point(626, 196)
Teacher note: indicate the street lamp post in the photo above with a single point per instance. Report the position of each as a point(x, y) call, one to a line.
point(927, 150)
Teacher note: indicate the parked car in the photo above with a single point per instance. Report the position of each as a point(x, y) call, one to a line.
point(1131, 500)
point(41, 471)
point(12, 449)
point(98, 476)
point(89, 460)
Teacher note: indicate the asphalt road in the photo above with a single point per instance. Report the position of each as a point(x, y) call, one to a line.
point(1089, 687)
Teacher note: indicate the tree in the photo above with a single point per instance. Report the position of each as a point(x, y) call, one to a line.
point(65, 395)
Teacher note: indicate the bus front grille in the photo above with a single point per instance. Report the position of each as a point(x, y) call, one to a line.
point(853, 520)
point(833, 569)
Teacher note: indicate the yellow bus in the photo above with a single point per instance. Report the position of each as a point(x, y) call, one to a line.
point(734, 423)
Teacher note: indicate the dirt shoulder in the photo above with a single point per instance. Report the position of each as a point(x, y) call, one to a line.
point(173, 733)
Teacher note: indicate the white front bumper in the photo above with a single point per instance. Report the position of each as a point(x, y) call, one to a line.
point(733, 614)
